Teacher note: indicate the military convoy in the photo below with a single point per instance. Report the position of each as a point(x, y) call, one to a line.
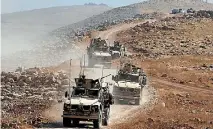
point(128, 84)
point(90, 99)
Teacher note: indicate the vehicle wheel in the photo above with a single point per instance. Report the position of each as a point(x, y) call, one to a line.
point(96, 123)
point(104, 122)
point(66, 122)
point(75, 122)
point(137, 102)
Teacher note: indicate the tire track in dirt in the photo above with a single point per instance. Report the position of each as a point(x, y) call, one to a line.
point(183, 87)
point(120, 113)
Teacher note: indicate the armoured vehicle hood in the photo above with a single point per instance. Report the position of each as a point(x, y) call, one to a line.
point(102, 54)
point(127, 84)
point(114, 51)
point(82, 101)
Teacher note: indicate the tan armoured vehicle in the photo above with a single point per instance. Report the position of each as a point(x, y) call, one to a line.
point(85, 103)
point(128, 84)
point(99, 54)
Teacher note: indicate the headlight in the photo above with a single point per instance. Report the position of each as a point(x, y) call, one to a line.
point(95, 108)
point(67, 107)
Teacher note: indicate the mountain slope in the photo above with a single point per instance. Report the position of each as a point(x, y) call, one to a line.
point(23, 31)
point(127, 12)
point(25, 27)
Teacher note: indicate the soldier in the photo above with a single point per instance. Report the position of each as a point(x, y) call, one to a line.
point(143, 79)
point(122, 50)
point(82, 80)
point(107, 97)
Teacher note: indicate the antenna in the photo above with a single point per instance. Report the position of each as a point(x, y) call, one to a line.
point(102, 72)
point(70, 80)
point(80, 67)
point(84, 64)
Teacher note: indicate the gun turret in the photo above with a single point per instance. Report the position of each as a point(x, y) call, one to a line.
point(102, 77)
point(105, 76)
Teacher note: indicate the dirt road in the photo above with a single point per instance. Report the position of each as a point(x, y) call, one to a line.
point(118, 112)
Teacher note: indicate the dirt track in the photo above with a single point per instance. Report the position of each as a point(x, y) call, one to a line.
point(121, 113)
point(118, 113)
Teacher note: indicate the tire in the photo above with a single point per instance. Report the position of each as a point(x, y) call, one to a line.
point(66, 122)
point(104, 122)
point(75, 123)
point(96, 123)
point(137, 102)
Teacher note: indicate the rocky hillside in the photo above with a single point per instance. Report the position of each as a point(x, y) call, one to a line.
point(60, 42)
point(25, 94)
point(171, 36)
point(127, 12)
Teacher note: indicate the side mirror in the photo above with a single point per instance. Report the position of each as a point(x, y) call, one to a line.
point(113, 77)
point(66, 94)
point(99, 100)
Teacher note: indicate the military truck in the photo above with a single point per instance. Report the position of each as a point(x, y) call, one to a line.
point(115, 50)
point(99, 59)
point(96, 44)
point(85, 103)
point(128, 84)
point(98, 53)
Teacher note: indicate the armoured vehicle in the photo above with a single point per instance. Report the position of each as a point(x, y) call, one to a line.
point(115, 50)
point(190, 10)
point(86, 103)
point(177, 11)
point(128, 84)
point(98, 53)
point(97, 44)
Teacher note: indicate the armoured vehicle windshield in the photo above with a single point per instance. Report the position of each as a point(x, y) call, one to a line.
point(79, 92)
point(101, 58)
point(128, 77)
point(93, 93)
point(82, 92)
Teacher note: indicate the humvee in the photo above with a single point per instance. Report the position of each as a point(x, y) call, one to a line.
point(127, 86)
point(99, 54)
point(100, 59)
point(115, 50)
point(97, 44)
point(85, 104)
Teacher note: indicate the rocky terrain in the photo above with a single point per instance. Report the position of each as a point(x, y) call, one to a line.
point(56, 47)
point(175, 52)
point(184, 35)
point(25, 94)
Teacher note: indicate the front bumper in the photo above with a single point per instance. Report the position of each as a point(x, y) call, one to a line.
point(94, 116)
point(126, 100)
point(105, 65)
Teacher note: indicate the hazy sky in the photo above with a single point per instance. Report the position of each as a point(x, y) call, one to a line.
point(20, 5)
